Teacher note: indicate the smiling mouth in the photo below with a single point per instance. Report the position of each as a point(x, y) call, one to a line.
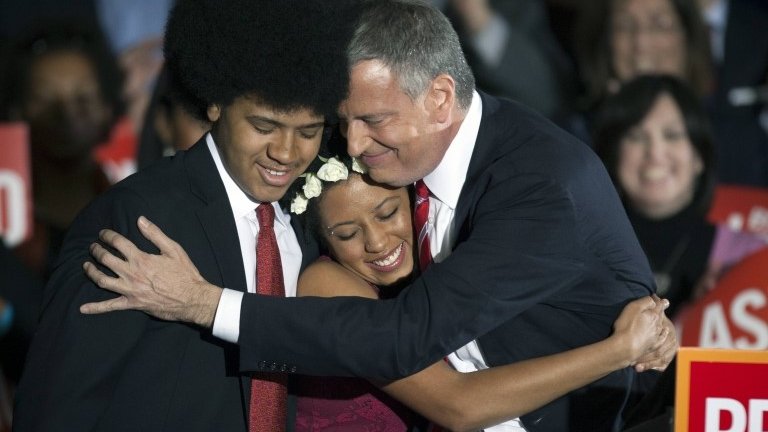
point(391, 261)
point(276, 177)
point(654, 174)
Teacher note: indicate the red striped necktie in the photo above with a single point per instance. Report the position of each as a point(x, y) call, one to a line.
point(421, 224)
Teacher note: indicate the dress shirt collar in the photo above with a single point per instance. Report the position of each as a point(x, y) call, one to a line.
point(242, 205)
point(446, 181)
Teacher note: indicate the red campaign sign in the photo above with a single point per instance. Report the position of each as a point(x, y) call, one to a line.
point(117, 156)
point(741, 208)
point(725, 395)
point(735, 313)
point(15, 184)
point(721, 391)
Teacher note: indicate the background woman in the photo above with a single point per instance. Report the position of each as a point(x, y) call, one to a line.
point(618, 40)
point(64, 84)
point(622, 39)
point(655, 141)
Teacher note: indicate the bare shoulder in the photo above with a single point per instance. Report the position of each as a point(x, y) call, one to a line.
point(325, 278)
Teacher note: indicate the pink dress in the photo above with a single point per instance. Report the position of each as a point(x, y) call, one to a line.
point(335, 404)
point(341, 404)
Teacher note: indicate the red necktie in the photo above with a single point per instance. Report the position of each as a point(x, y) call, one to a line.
point(268, 390)
point(420, 216)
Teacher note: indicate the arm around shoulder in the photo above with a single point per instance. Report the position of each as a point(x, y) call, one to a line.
point(469, 401)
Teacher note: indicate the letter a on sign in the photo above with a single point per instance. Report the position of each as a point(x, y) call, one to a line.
point(735, 313)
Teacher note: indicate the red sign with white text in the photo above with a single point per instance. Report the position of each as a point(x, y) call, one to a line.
point(741, 208)
point(117, 156)
point(721, 391)
point(15, 184)
point(735, 313)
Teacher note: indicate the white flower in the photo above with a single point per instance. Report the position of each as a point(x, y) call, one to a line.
point(312, 186)
point(332, 171)
point(358, 166)
point(299, 204)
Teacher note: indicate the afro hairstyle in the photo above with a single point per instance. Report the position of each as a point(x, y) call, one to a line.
point(287, 54)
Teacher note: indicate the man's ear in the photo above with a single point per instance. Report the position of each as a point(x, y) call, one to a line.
point(214, 112)
point(441, 97)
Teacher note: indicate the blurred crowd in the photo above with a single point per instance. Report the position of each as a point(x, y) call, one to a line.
point(672, 94)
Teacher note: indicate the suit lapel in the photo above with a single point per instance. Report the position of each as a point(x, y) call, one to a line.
point(218, 224)
point(224, 242)
point(215, 215)
point(477, 165)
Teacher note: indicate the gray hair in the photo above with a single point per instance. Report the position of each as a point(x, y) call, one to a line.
point(416, 42)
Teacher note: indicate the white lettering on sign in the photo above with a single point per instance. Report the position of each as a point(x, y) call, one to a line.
point(743, 419)
point(757, 410)
point(752, 298)
point(14, 206)
point(715, 332)
point(735, 221)
point(755, 221)
point(758, 220)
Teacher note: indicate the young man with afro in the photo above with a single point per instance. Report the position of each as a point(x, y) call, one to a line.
point(267, 78)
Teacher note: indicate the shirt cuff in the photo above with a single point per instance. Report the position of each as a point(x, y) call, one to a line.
point(492, 40)
point(226, 324)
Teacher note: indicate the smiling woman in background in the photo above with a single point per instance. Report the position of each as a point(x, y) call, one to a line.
point(655, 141)
point(622, 39)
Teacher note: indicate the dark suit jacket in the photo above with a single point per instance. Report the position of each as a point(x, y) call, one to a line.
point(544, 262)
point(125, 371)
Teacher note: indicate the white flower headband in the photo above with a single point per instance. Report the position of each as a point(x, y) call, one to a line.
point(332, 170)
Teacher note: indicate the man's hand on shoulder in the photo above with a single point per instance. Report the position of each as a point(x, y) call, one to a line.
point(167, 286)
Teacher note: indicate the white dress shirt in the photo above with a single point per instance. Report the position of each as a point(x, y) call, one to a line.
point(226, 324)
point(445, 184)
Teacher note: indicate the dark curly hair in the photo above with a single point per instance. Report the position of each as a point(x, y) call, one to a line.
point(289, 54)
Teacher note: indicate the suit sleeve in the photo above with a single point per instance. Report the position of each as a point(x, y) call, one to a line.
point(522, 249)
point(76, 360)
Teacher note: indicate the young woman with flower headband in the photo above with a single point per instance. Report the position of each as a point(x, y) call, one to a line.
point(366, 229)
